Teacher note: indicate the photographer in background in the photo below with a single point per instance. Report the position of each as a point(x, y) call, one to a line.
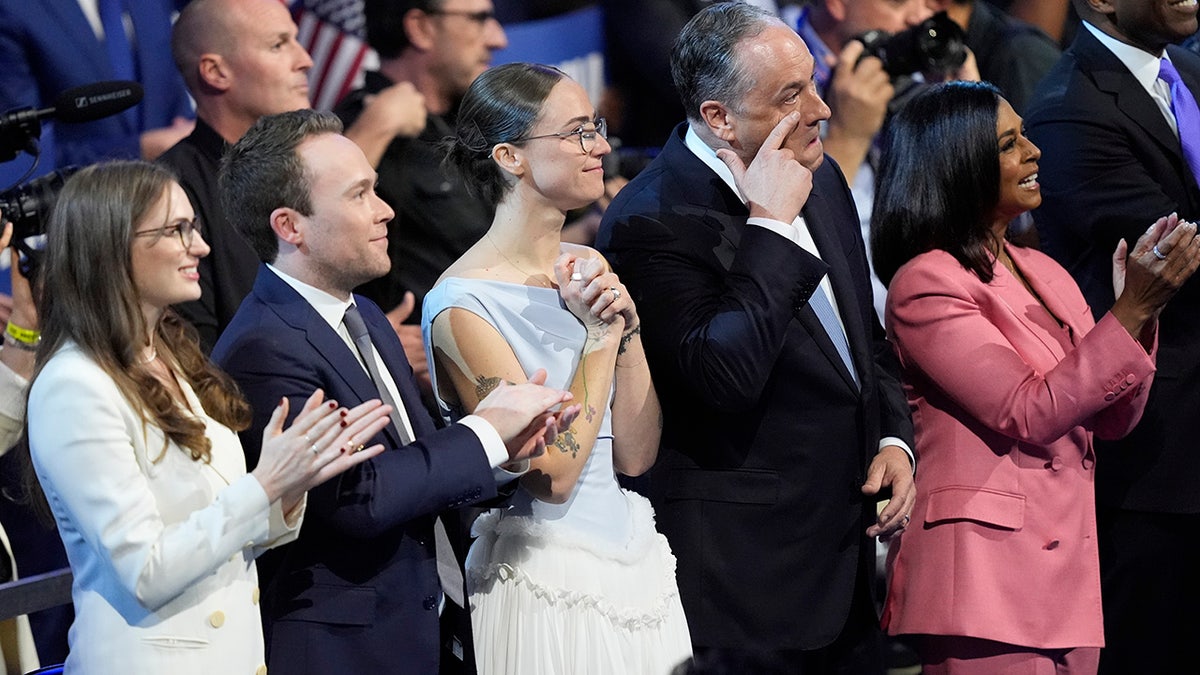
point(859, 89)
point(17, 652)
point(1013, 55)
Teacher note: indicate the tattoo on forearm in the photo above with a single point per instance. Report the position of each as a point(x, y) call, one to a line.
point(589, 410)
point(484, 385)
point(626, 338)
point(566, 443)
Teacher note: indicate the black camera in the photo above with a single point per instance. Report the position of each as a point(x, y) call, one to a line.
point(935, 46)
point(27, 207)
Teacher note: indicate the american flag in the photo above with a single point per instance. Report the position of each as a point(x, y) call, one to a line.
point(334, 34)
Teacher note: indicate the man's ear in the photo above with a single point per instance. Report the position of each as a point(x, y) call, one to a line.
point(718, 120)
point(418, 27)
point(508, 157)
point(285, 222)
point(836, 9)
point(214, 72)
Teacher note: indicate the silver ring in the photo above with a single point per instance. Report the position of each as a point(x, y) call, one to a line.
point(1157, 253)
point(576, 276)
point(616, 293)
point(905, 520)
point(314, 449)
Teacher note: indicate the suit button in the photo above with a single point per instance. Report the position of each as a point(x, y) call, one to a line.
point(216, 619)
point(1130, 379)
point(430, 602)
point(254, 596)
point(261, 669)
point(1053, 544)
point(1109, 396)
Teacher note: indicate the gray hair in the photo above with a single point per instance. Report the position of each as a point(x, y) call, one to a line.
point(703, 61)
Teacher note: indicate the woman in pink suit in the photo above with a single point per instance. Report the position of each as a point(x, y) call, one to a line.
point(1008, 377)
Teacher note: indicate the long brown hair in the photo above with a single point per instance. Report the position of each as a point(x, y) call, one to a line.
point(88, 298)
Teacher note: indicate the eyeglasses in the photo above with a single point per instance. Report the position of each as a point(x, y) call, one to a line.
point(587, 137)
point(186, 230)
point(481, 17)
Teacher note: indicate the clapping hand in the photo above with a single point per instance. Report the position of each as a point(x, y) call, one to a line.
point(1145, 278)
point(528, 416)
point(323, 441)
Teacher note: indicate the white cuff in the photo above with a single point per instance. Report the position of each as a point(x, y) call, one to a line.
point(892, 440)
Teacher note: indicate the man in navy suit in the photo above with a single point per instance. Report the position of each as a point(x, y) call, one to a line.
point(783, 415)
point(359, 592)
point(1112, 161)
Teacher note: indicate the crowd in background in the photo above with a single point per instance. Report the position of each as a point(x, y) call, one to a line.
point(777, 354)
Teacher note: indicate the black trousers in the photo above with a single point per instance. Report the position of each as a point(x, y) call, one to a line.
point(1150, 581)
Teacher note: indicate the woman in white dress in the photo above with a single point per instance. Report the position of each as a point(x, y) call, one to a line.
point(571, 577)
point(132, 437)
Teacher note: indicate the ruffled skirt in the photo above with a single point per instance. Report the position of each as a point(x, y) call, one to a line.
point(547, 600)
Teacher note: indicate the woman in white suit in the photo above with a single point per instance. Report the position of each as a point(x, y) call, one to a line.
point(132, 437)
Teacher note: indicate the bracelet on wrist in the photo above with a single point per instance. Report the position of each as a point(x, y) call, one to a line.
point(23, 346)
point(27, 336)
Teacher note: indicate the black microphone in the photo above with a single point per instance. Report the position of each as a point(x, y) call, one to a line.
point(86, 103)
point(81, 104)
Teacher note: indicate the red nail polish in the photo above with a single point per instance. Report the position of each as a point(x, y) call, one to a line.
point(282, 400)
point(332, 404)
point(344, 423)
point(345, 412)
point(341, 451)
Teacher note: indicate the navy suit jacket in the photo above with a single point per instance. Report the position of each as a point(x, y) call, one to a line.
point(1110, 166)
point(47, 46)
point(766, 437)
point(358, 591)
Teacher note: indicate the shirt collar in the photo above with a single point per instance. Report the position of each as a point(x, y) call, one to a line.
point(331, 309)
point(1141, 63)
point(709, 156)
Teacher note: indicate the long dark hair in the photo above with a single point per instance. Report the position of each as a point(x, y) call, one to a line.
point(939, 181)
point(89, 299)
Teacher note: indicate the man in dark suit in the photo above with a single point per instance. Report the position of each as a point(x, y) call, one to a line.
point(1112, 161)
point(359, 592)
point(784, 417)
point(52, 45)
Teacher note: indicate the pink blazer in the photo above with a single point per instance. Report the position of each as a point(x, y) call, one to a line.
point(1002, 543)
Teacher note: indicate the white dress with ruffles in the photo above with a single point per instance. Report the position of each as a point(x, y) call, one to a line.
point(580, 588)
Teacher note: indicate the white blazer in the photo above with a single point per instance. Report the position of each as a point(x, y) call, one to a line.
point(162, 549)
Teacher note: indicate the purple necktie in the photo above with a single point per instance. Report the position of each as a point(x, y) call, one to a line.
point(1187, 115)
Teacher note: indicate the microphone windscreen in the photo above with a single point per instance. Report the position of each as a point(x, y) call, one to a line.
point(97, 100)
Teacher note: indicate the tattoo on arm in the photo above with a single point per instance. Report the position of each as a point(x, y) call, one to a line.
point(627, 338)
point(566, 443)
point(484, 385)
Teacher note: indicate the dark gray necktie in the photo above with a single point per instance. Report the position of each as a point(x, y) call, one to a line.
point(448, 570)
point(362, 340)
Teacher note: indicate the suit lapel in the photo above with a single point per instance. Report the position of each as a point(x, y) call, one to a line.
point(75, 27)
point(731, 214)
point(295, 311)
point(1112, 77)
point(383, 336)
point(819, 221)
